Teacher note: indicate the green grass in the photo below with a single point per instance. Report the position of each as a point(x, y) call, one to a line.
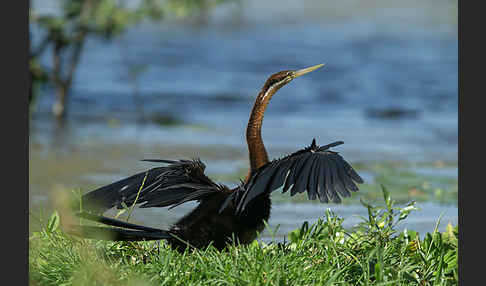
point(372, 253)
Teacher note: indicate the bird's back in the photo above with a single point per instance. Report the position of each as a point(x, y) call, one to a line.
point(206, 225)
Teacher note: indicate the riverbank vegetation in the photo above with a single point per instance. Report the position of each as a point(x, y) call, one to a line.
point(324, 253)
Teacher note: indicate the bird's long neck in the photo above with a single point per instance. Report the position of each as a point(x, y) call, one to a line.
point(257, 152)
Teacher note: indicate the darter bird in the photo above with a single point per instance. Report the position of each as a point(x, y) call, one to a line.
point(223, 215)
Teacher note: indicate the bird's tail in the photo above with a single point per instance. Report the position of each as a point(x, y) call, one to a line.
point(123, 231)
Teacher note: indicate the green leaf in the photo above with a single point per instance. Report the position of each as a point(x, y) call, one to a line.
point(449, 236)
point(441, 267)
point(53, 222)
point(120, 212)
point(304, 228)
point(438, 222)
point(450, 258)
point(378, 272)
point(294, 236)
point(404, 212)
point(386, 194)
point(412, 235)
point(410, 277)
point(334, 277)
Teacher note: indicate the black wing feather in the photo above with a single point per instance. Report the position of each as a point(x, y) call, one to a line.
point(280, 176)
point(122, 231)
point(263, 180)
point(302, 176)
point(312, 181)
point(115, 222)
point(351, 172)
point(290, 177)
point(330, 191)
point(323, 173)
point(321, 185)
point(178, 182)
point(117, 234)
point(346, 179)
point(338, 181)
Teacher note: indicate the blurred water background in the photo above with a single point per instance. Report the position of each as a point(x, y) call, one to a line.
point(388, 90)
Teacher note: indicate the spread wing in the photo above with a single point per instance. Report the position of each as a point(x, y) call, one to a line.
point(178, 182)
point(317, 170)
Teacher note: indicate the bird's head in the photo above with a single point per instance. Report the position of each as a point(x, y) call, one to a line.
point(277, 80)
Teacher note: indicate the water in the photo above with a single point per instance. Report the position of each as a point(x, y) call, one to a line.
point(206, 75)
point(211, 77)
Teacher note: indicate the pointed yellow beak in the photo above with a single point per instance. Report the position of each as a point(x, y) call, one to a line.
point(298, 73)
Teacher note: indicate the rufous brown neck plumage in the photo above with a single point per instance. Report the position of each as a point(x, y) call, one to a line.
point(257, 152)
